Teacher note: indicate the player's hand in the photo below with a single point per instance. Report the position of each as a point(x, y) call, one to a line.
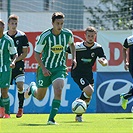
point(12, 65)
point(126, 66)
point(74, 63)
point(46, 72)
point(103, 61)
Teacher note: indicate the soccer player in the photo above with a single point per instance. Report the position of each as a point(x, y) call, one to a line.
point(52, 45)
point(128, 65)
point(86, 55)
point(21, 43)
point(7, 48)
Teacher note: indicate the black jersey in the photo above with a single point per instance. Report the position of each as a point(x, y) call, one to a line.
point(86, 57)
point(128, 43)
point(21, 41)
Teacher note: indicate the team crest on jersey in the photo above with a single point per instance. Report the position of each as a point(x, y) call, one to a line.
point(92, 54)
point(17, 42)
point(57, 49)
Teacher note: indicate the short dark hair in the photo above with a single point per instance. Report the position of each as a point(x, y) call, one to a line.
point(2, 22)
point(14, 17)
point(57, 15)
point(90, 29)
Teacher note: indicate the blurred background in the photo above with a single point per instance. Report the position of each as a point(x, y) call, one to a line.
point(35, 15)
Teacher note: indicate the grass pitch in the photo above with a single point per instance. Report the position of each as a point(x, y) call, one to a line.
point(93, 123)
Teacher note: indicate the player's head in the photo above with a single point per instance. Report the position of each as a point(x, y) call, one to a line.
point(90, 34)
point(2, 25)
point(58, 21)
point(2, 22)
point(57, 15)
point(12, 22)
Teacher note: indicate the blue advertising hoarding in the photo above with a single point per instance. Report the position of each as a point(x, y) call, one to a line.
point(70, 92)
point(106, 97)
point(109, 87)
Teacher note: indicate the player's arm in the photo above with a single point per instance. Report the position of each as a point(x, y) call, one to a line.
point(125, 55)
point(45, 71)
point(23, 54)
point(73, 52)
point(103, 61)
point(102, 58)
point(13, 52)
point(125, 58)
point(14, 58)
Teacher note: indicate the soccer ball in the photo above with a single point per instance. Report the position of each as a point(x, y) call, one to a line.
point(79, 106)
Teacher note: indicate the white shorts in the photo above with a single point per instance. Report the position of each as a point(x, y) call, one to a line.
point(20, 79)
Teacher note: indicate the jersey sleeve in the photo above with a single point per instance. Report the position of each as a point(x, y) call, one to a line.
point(101, 53)
point(12, 49)
point(25, 41)
point(40, 44)
point(68, 50)
point(125, 45)
point(128, 42)
point(71, 38)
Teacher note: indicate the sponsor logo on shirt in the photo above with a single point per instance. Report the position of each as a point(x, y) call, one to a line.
point(57, 49)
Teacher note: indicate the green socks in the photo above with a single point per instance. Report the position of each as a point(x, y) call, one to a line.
point(1, 103)
point(6, 103)
point(54, 109)
point(33, 89)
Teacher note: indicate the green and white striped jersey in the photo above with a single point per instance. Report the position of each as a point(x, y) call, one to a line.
point(53, 48)
point(7, 48)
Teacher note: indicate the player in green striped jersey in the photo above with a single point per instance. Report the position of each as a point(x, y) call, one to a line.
point(52, 44)
point(7, 48)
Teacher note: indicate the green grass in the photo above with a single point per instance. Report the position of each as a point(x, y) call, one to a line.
point(93, 123)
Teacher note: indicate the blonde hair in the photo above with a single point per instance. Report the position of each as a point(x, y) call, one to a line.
point(90, 29)
point(2, 22)
point(14, 17)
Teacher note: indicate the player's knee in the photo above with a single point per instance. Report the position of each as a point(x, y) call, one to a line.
point(20, 87)
point(40, 97)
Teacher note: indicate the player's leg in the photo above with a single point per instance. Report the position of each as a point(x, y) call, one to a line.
point(20, 87)
point(124, 96)
point(58, 84)
point(38, 93)
point(38, 90)
point(6, 102)
point(87, 91)
point(2, 109)
point(4, 92)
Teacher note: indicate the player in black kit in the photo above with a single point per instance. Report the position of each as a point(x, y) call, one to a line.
point(128, 65)
point(21, 43)
point(86, 55)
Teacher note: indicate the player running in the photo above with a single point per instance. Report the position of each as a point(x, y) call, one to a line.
point(128, 65)
point(86, 55)
point(21, 43)
point(7, 49)
point(52, 45)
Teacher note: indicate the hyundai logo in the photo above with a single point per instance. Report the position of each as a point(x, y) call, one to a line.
point(109, 91)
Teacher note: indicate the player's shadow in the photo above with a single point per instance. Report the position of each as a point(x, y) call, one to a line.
point(31, 124)
point(75, 122)
point(124, 118)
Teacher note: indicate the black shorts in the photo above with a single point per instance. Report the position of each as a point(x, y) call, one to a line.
point(83, 81)
point(131, 71)
point(18, 70)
